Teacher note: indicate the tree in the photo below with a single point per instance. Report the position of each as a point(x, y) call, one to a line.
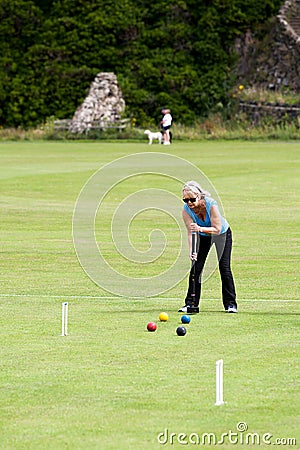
point(175, 53)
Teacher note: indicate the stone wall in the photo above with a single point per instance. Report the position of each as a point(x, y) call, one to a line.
point(257, 112)
point(285, 70)
point(103, 105)
point(273, 63)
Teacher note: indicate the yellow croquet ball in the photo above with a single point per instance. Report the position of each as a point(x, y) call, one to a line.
point(163, 317)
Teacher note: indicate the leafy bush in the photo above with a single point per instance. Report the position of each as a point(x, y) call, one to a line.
point(174, 53)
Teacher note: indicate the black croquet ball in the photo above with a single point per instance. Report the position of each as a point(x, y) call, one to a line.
point(181, 331)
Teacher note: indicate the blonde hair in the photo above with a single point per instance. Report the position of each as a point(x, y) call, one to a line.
point(194, 188)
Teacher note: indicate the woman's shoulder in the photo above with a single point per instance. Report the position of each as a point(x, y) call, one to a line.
point(210, 201)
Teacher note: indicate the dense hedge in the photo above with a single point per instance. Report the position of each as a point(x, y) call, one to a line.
point(172, 53)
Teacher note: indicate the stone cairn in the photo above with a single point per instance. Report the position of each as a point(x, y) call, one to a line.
point(102, 107)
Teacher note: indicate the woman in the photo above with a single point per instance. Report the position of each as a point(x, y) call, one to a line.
point(166, 123)
point(201, 215)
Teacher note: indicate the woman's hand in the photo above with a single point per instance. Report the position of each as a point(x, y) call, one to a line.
point(193, 256)
point(195, 228)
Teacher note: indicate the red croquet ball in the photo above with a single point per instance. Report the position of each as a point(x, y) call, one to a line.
point(151, 326)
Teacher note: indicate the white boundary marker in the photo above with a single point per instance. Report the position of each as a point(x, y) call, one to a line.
point(64, 318)
point(219, 383)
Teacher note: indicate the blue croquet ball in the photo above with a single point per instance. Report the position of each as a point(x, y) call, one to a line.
point(181, 331)
point(185, 319)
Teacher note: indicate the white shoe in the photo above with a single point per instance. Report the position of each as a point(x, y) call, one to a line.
point(166, 143)
point(183, 309)
point(189, 309)
point(232, 309)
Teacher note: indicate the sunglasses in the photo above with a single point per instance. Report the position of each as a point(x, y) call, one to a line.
point(192, 200)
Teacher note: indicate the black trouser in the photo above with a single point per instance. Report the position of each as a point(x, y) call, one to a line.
point(223, 243)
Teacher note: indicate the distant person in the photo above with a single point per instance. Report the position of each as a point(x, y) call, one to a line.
point(201, 215)
point(166, 124)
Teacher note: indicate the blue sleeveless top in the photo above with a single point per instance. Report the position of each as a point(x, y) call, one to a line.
point(207, 223)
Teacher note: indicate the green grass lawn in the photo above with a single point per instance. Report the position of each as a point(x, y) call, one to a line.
point(110, 384)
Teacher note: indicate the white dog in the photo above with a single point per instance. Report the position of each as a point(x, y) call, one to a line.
point(152, 136)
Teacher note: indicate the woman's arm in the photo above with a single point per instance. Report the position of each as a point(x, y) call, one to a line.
point(188, 223)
